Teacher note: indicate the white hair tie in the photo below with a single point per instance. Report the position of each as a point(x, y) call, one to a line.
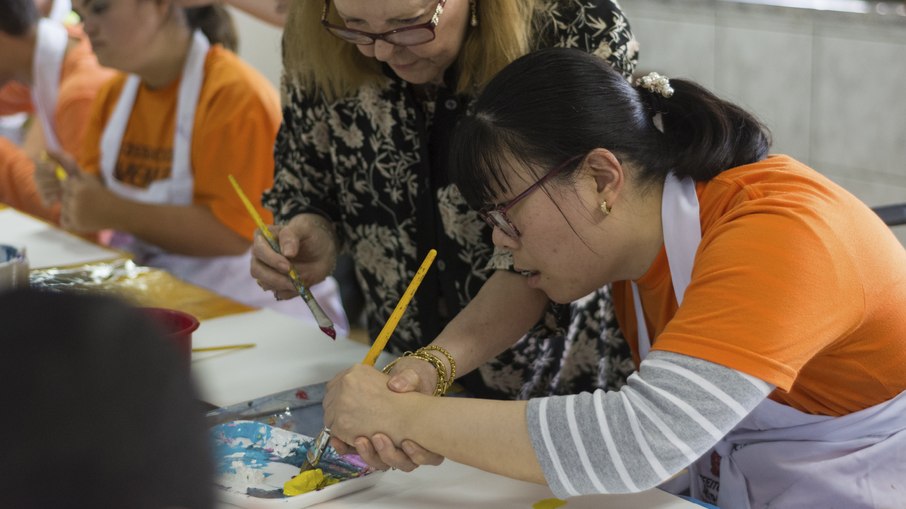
point(654, 82)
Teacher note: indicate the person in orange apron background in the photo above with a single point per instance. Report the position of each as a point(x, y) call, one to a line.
point(163, 139)
point(765, 305)
point(47, 69)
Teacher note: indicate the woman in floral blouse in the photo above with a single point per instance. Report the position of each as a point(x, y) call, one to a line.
point(372, 89)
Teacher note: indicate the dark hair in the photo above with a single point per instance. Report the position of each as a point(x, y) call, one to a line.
point(556, 103)
point(99, 410)
point(216, 24)
point(17, 16)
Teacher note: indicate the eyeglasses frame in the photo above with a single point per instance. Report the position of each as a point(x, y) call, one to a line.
point(496, 217)
point(430, 25)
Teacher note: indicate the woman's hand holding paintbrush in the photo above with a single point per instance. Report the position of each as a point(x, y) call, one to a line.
point(279, 251)
point(85, 201)
point(303, 254)
point(371, 386)
point(50, 174)
point(375, 447)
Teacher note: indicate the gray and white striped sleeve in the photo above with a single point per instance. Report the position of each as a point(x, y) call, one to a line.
point(668, 414)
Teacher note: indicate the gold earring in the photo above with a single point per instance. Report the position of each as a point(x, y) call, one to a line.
point(605, 209)
point(473, 4)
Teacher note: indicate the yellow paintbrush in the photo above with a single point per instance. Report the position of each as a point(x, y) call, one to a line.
point(224, 347)
point(313, 456)
point(58, 170)
point(324, 321)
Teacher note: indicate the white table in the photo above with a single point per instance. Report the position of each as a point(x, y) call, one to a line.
point(46, 245)
point(456, 486)
point(289, 353)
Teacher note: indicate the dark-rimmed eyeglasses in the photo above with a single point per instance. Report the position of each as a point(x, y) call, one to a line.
point(411, 35)
point(496, 216)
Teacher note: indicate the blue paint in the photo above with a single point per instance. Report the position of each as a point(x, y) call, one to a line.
point(257, 447)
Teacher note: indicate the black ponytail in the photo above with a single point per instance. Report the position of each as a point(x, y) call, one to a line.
point(216, 24)
point(556, 103)
point(705, 134)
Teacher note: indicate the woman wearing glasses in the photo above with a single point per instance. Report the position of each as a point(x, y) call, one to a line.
point(372, 89)
point(766, 306)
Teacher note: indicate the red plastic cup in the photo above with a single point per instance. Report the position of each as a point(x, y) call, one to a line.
point(177, 326)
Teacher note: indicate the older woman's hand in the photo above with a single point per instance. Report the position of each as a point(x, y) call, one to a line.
point(307, 242)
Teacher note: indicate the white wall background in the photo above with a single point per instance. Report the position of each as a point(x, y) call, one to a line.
point(259, 44)
point(831, 86)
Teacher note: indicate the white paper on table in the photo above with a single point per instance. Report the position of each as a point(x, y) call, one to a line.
point(46, 245)
point(289, 353)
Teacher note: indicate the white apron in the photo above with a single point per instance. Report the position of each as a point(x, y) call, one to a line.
point(778, 456)
point(50, 49)
point(226, 275)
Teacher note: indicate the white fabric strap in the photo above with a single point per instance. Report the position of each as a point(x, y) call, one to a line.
point(644, 338)
point(50, 49)
point(679, 211)
point(189, 92)
point(60, 10)
point(178, 188)
point(112, 137)
point(682, 235)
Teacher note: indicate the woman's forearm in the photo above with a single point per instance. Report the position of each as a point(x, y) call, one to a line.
point(486, 434)
point(502, 312)
point(182, 229)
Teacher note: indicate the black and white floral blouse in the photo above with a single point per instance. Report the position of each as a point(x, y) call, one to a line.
point(375, 163)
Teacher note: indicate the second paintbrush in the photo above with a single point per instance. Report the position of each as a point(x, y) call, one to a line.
point(324, 321)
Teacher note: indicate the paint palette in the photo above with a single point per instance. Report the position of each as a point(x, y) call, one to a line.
point(254, 459)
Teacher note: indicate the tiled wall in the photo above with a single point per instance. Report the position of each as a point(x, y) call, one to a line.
point(831, 86)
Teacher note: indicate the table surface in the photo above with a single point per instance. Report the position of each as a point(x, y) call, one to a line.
point(455, 486)
point(291, 353)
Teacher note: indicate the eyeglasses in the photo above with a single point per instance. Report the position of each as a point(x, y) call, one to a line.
point(496, 216)
point(404, 36)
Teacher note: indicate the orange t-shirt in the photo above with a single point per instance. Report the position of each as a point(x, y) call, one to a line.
point(81, 76)
point(795, 282)
point(236, 123)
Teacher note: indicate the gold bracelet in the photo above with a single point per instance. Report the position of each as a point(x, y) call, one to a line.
point(388, 367)
point(449, 359)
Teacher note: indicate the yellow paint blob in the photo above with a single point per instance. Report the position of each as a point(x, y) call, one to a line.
point(549, 503)
point(309, 480)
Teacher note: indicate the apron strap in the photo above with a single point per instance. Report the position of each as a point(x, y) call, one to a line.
point(682, 235)
point(178, 189)
point(50, 49)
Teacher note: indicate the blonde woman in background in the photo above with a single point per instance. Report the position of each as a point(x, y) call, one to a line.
point(371, 91)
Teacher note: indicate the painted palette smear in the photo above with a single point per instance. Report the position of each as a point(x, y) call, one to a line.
point(255, 459)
